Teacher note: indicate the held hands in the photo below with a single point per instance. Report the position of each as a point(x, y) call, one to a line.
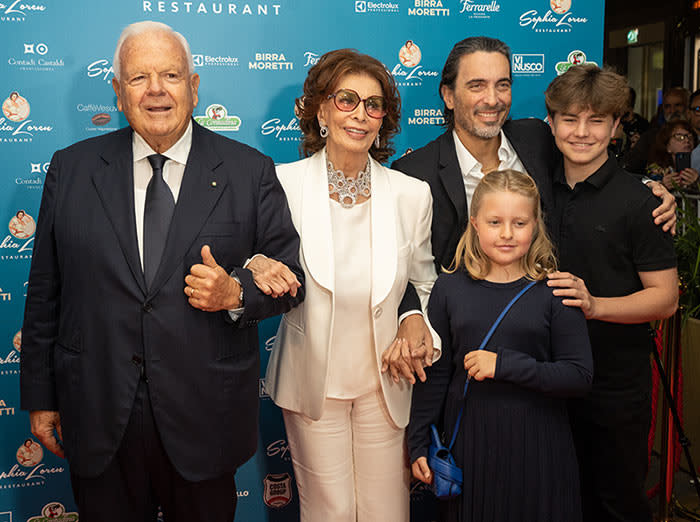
point(666, 212)
point(43, 424)
point(209, 287)
point(480, 364)
point(574, 290)
point(410, 351)
point(421, 470)
point(273, 277)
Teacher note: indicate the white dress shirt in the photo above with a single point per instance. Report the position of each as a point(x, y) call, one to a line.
point(471, 168)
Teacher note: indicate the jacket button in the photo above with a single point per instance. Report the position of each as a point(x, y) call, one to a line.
point(378, 313)
point(147, 306)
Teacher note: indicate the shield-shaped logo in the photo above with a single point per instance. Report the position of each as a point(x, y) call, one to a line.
point(278, 490)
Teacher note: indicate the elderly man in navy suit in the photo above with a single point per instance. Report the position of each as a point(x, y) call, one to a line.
point(140, 346)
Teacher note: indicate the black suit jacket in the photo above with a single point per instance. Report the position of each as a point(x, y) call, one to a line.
point(90, 323)
point(437, 164)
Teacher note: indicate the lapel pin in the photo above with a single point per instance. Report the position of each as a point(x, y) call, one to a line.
point(213, 183)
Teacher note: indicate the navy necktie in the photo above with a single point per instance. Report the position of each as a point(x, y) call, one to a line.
point(158, 213)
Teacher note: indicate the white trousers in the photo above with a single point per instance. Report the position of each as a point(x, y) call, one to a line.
point(350, 465)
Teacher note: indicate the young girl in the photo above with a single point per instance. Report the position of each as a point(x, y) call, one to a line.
point(514, 443)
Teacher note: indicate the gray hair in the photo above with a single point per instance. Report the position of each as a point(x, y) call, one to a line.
point(469, 45)
point(144, 27)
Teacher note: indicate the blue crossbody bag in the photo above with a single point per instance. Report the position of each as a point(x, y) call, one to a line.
point(447, 475)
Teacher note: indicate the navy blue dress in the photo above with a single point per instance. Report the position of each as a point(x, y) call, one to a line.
point(514, 442)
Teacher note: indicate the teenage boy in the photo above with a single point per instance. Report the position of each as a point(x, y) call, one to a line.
point(619, 268)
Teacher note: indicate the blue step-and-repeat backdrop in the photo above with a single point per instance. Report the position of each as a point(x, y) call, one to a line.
point(55, 89)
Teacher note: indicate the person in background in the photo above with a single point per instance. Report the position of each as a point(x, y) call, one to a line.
point(674, 106)
point(673, 146)
point(365, 233)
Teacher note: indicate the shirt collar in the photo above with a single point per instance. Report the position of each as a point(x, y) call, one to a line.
point(467, 162)
point(178, 152)
point(598, 179)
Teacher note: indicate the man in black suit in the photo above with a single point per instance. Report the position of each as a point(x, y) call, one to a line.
point(140, 346)
point(476, 89)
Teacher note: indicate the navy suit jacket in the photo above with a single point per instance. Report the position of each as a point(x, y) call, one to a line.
point(91, 324)
point(437, 164)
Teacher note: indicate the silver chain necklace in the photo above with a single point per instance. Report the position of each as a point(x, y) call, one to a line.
point(349, 189)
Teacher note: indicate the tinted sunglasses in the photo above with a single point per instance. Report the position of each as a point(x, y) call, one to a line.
point(347, 100)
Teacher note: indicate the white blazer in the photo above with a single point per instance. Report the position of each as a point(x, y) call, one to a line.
point(401, 215)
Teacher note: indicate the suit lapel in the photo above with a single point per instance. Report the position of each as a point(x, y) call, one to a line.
point(384, 230)
point(200, 190)
point(451, 175)
point(316, 233)
point(115, 186)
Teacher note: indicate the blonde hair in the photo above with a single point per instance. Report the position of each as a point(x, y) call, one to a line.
point(538, 261)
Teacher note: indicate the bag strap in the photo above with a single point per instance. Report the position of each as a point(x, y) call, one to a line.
point(483, 344)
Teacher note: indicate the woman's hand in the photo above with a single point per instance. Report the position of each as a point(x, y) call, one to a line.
point(273, 277)
point(480, 364)
point(411, 350)
point(671, 180)
point(421, 471)
point(687, 177)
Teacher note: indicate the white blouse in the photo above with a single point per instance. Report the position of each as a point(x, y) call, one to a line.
point(352, 366)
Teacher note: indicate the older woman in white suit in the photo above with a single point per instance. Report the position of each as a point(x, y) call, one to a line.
point(365, 232)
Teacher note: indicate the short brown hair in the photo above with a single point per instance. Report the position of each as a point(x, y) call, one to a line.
point(658, 153)
point(321, 81)
point(539, 260)
point(588, 87)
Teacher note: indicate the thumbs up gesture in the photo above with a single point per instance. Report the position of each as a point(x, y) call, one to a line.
point(209, 287)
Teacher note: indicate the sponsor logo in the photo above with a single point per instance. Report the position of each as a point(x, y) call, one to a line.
point(36, 48)
point(428, 8)
point(205, 60)
point(211, 8)
point(527, 64)
point(17, 10)
point(278, 490)
point(19, 243)
point(575, 58)
point(101, 119)
point(427, 117)
point(216, 118)
point(29, 470)
point(5, 516)
point(408, 72)
point(101, 69)
point(480, 9)
point(34, 58)
point(289, 131)
point(54, 512)
point(242, 493)
point(262, 392)
point(311, 58)
point(22, 225)
point(270, 62)
point(15, 107)
point(362, 6)
point(5, 296)
point(5, 410)
point(14, 125)
point(12, 356)
point(270, 343)
point(279, 448)
point(560, 6)
point(33, 179)
point(557, 19)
